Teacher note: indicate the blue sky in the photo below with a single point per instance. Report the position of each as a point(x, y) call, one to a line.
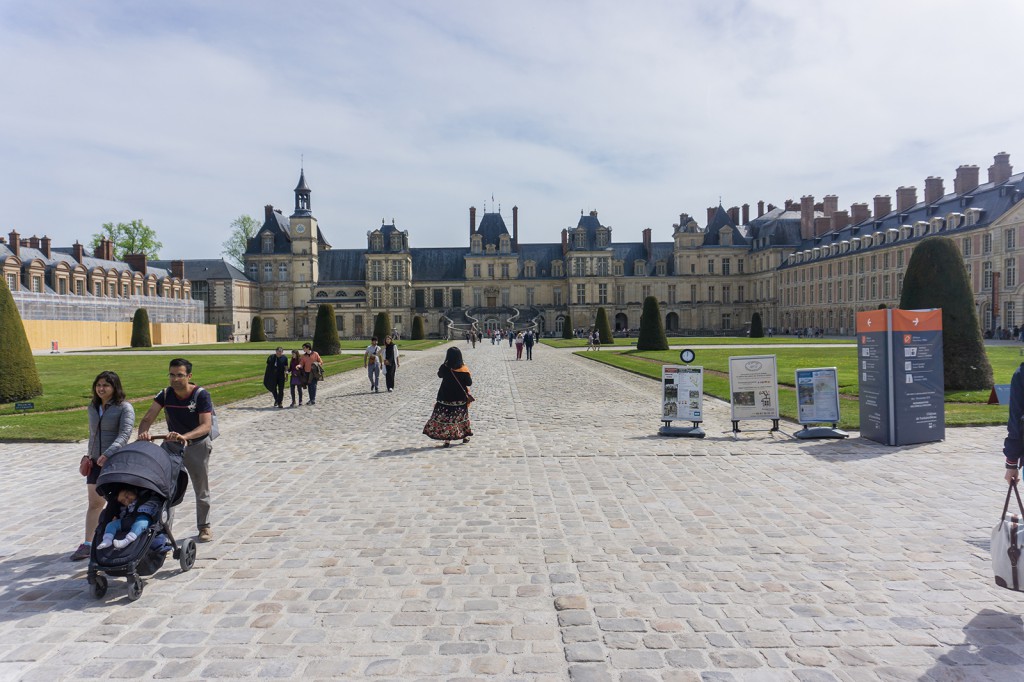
point(189, 114)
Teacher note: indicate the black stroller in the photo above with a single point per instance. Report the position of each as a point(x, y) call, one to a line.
point(157, 474)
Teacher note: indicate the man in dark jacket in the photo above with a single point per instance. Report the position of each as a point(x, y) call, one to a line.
point(273, 378)
point(528, 342)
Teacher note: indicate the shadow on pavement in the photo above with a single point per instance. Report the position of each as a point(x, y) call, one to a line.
point(40, 584)
point(410, 451)
point(991, 638)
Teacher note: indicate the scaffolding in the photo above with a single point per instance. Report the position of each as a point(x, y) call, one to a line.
point(33, 306)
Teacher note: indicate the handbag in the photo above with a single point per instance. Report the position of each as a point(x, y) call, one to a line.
point(469, 396)
point(85, 467)
point(1007, 541)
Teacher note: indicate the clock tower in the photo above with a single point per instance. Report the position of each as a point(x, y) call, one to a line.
point(305, 239)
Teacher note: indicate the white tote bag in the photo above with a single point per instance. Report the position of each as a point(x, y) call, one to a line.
point(1007, 543)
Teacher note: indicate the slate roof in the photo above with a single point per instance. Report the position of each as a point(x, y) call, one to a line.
point(542, 255)
point(343, 265)
point(588, 224)
point(779, 226)
point(491, 227)
point(277, 224)
point(202, 269)
point(630, 252)
point(712, 236)
point(439, 264)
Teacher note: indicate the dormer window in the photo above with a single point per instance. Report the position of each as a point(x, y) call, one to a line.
point(396, 241)
point(268, 243)
point(639, 267)
point(580, 239)
point(376, 241)
point(602, 238)
point(661, 268)
point(477, 244)
point(506, 244)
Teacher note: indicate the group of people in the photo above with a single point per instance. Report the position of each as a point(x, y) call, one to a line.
point(188, 409)
point(303, 371)
point(379, 360)
point(594, 340)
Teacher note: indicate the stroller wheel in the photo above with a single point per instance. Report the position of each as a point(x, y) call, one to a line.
point(187, 554)
point(99, 586)
point(134, 587)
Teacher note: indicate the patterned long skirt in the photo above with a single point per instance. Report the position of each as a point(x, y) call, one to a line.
point(449, 421)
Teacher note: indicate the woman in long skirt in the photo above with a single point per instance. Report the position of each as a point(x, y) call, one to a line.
point(450, 418)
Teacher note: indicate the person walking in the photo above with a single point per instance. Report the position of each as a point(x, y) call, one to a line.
point(519, 346)
point(189, 413)
point(312, 365)
point(373, 360)
point(528, 343)
point(273, 377)
point(111, 420)
point(450, 419)
point(597, 340)
point(511, 337)
point(390, 362)
point(298, 377)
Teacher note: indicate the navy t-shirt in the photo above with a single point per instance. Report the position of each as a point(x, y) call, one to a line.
point(183, 414)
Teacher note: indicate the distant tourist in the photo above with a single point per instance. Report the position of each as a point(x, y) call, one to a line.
point(189, 413)
point(313, 366)
point(299, 378)
point(519, 346)
point(450, 419)
point(390, 362)
point(528, 342)
point(274, 376)
point(373, 361)
point(111, 420)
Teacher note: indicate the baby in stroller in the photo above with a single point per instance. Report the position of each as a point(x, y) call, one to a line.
point(141, 483)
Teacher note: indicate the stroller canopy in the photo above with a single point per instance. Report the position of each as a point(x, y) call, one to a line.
point(142, 464)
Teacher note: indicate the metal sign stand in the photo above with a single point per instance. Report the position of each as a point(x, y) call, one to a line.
point(808, 432)
point(687, 356)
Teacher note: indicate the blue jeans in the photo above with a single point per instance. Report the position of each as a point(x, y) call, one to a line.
point(373, 371)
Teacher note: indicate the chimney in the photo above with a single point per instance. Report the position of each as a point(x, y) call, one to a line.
point(933, 190)
point(822, 225)
point(1000, 171)
point(268, 212)
point(830, 205)
point(33, 242)
point(966, 179)
point(788, 206)
point(515, 226)
point(760, 208)
point(178, 269)
point(906, 198)
point(565, 241)
point(109, 254)
point(45, 245)
point(840, 219)
point(593, 214)
point(746, 213)
point(137, 261)
point(711, 214)
point(883, 206)
point(78, 251)
point(807, 217)
point(734, 215)
point(647, 242)
point(859, 213)
point(472, 220)
point(15, 243)
point(771, 207)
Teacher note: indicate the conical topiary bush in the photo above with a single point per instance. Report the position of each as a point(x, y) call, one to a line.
point(382, 326)
point(603, 327)
point(19, 379)
point(257, 333)
point(567, 327)
point(140, 329)
point(417, 328)
point(325, 336)
point(652, 329)
point(756, 327)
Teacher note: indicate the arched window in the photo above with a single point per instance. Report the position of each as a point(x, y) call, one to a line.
point(321, 294)
point(340, 294)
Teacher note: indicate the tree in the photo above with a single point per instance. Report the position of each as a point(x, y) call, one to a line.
point(567, 327)
point(325, 336)
point(257, 333)
point(382, 326)
point(133, 237)
point(140, 329)
point(417, 328)
point(243, 228)
point(756, 327)
point(19, 379)
point(603, 328)
point(937, 278)
point(652, 329)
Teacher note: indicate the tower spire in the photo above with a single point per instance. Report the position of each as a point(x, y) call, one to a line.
point(302, 192)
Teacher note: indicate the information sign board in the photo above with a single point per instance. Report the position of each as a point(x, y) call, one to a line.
point(682, 393)
point(753, 387)
point(817, 395)
point(919, 378)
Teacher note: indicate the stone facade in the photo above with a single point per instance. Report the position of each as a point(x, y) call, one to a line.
point(803, 265)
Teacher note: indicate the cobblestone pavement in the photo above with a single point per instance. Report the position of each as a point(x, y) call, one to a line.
point(566, 542)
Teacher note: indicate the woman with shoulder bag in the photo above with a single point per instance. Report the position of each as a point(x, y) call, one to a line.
point(390, 362)
point(450, 418)
point(111, 420)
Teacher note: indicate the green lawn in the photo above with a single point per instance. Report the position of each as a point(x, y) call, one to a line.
point(346, 344)
point(963, 408)
point(59, 413)
point(699, 341)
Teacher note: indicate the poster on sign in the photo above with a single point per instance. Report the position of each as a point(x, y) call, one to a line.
point(817, 395)
point(682, 393)
point(753, 387)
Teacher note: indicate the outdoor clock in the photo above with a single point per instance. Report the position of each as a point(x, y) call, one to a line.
point(687, 355)
point(300, 228)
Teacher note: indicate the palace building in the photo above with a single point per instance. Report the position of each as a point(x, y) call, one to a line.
point(805, 264)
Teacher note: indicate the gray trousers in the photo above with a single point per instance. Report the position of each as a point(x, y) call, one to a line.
point(197, 464)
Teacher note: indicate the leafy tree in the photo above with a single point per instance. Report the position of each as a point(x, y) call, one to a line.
point(603, 328)
point(882, 306)
point(140, 329)
point(19, 379)
point(382, 326)
point(756, 327)
point(325, 336)
point(567, 327)
point(652, 329)
point(243, 228)
point(133, 237)
point(417, 328)
point(936, 278)
point(257, 333)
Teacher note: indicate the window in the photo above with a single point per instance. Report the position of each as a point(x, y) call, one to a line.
point(986, 275)
point(556, 268)
point(254, 272)
point(111, 289)
point(965, 246)
point(505, 297)
point(530, 270)
point(886, 289)
point(1010, 237)
point(986, 242)
point(726, 290)
point(602, 293)
point(711, 293)
point(671, 293)
point(1009, 314)
point(899, 258)
point(397, 270)
point(556, 296)
point(268, 243)
point(581, 293)
point(457, 298)
point(12, 282)
point(660, 268)
point(124, 289)
point(617, 269)
point(268, 300)
point(1011, 272)
point(711, 267)
point(490, 270)
point(396, 241)
point(725, 266)
point(529, 295)
point(578, 267)
point(739, 266)
point(376, 270)
point(899, 284)
point(645, 290)
point(504, 270)
point(726, 321)
point(739, 293)
point(620, 294)
point(80, 287)
point(62, 286)
point(376, 297)
point(37, 284)
point(874, 288)
point(693, 293)
point(397, 297)
point(282, 272)
point(476, 269)
point(268, 272)
point(282, 299)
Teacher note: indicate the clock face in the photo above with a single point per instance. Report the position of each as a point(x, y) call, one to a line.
point(300, 228)
point(687, 356)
